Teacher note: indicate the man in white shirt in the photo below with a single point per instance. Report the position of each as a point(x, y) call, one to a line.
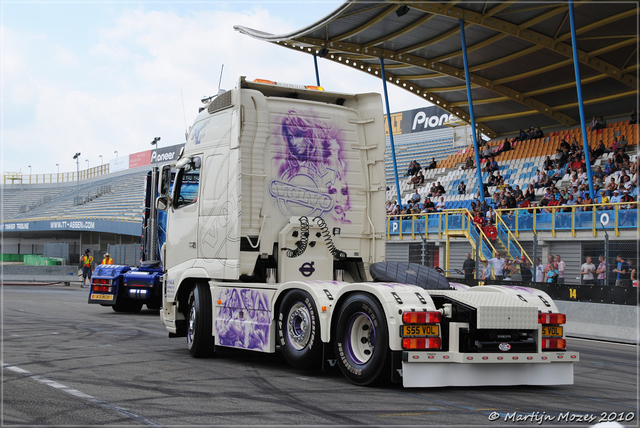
point(498, 266)
point(539, 270)
point(587, 270)
point(561, 266)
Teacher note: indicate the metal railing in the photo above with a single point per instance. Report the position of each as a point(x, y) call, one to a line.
point(610, 216)
point(62, 177)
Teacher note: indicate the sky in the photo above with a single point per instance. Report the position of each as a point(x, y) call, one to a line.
point(99, 77)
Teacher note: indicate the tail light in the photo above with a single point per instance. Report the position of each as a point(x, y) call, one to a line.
point(101, 285)
point(421, 317)
point(552, 318)
point(421, 343)
point(560, 344)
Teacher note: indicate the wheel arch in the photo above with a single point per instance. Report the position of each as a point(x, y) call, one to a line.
point(187, 283)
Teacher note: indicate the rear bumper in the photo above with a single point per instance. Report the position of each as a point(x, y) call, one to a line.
point(421, 369)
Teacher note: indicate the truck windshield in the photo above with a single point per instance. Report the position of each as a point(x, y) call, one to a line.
point(187, 183)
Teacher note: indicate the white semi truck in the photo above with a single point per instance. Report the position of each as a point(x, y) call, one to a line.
point(274, 226)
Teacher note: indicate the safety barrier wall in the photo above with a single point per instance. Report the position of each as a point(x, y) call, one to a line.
point(617, 323)
point(24, 273)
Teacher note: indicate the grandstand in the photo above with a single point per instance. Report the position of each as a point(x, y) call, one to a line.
point(517, 166)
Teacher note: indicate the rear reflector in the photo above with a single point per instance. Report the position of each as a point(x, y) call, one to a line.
point(552, 318)
point(421, 343)
point(421, 317)
point(554, 344)
point(102, 288)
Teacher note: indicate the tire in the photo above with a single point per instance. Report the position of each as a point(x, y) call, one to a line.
point(299, 330)
point(154, 306)
point(362, 341)
point(199, 319)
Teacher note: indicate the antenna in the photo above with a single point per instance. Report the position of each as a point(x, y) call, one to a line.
point(184, 116)
point(220, 81)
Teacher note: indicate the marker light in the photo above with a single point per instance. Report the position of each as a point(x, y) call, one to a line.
point(552, 318)
point(421, 317)
point(421, 343)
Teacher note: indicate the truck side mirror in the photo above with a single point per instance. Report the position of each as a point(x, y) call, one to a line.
point(165, 181)
point(162, 203)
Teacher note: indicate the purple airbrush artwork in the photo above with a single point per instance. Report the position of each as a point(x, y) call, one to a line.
point(311, 168)
point(244, 319)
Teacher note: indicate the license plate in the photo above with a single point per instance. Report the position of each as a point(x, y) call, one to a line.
point(420, 330)
point(552, 331)
point(102, 296)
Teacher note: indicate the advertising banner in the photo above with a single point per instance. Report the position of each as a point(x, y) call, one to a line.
point(119, 164)
point(140, 159)
point(166, 154)
point(417, 120)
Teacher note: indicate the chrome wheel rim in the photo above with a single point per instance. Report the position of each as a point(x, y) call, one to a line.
point(361, 338)
point(298, 326)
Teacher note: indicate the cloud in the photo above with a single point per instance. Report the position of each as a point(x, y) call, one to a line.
point(128, 85)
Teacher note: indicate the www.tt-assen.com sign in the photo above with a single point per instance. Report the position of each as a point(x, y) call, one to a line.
point(417, 120)
point(109, 226)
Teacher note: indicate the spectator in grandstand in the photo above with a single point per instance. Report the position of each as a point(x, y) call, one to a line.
point(622, 143)
point(469, 267)
point(417, 180)
point(462, 188)
point(537, 133)
point(440, 206)
point(415, 197)
point(468, 163)
point(486, 270)
point(561, 265)
point(614, 144)
point(601, 123)
point(537, 179)
point(594, 123)
point(626, 197)
point(604, 199)
point(530, 193)
point(433, 164)
point(616, 198)
point(610, 167)
point(487, 152)
point(432, 191)
point(611, 186)
point(478, 219)
point(626, 183)
point(490, 216)
point(86, 262)
point(498, 265)
point(598, 151)
point(439, 189)
point(506, 146)
point(561, 158)
point(107, 260)
point(517, 194)
point(539, 270)
point(491, 165)
point(634, 117)
point(548, 164)
point(587, 202)
point(623, 271)
point(598, 177)
point(601, 270)
point(389, 207)
point(587, 270)
point(429, 206)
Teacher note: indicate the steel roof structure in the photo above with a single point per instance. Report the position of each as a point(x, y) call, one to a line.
point(520, 56)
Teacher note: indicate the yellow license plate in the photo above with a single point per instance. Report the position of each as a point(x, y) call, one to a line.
point(553, 330)
point(420, 330)
point(102, 296)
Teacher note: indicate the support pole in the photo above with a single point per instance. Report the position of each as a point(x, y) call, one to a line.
point(471, 115)
point(393, 147)
point(315, 64)
point(576, 66)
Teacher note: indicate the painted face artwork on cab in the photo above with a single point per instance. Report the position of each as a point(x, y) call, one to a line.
point(311, 168)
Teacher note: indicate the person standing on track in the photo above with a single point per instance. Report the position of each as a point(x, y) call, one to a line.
point(107, 260)
point(469, 267)
point(86, 261)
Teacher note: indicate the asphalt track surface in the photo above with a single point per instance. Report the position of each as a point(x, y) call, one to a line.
point(66, 362)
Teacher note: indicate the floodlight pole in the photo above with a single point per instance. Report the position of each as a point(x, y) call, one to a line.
point(583, 125)
point(393, 147)
point(471, 115)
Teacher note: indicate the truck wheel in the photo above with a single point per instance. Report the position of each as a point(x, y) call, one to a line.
point(362, 340)
point(199, 319)
point(299, 331)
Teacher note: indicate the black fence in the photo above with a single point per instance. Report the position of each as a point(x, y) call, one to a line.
point(572, 293)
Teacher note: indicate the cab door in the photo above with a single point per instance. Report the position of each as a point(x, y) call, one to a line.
point(182, 225)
